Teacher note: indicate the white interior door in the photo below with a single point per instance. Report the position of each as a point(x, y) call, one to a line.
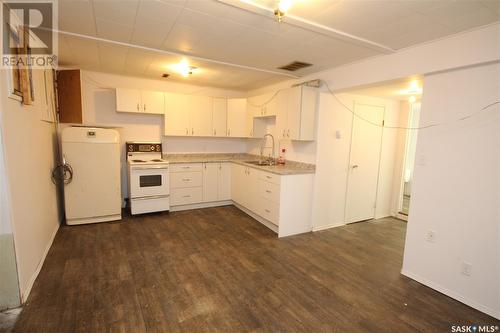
point(364, 163)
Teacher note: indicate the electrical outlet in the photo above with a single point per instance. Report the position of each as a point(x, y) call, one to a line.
point(430, 236)
point(466, 268)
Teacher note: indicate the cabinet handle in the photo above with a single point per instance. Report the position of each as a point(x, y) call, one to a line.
point(187, 132)
point(229, 131)
point(186, 179)
point(220, 166)
point(288, 133)
point(284, 133)
point(269, 177)
point(192, 131)
point(268, 191)
point(215, 131)
point(186, 196)
point(267, 210)
point(205, 165)
point(185, 167)
point(144, 107)
point(137, 106)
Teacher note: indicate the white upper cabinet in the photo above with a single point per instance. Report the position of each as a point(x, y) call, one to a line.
point(139, 101)
point(219, 117)
point(298, 121)
point(177, 114)
point(237, 117)
point(200, 115)
point(188, 115)
point(153, 102)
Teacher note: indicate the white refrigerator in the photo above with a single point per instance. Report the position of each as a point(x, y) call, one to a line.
point(94, 193)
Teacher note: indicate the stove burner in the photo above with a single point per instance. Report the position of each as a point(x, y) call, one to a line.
point(138, 161)
point(157, 160)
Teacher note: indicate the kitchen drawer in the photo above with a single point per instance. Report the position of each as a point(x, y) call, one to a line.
point(186, 196)
point(270, 177)
point(269, 210)
point(186, 179)
point(183, 167)
point(269, 191)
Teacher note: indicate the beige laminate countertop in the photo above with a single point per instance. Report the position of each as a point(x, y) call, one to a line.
point(290, 167)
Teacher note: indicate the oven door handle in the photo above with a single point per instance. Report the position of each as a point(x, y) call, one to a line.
point(156, 167)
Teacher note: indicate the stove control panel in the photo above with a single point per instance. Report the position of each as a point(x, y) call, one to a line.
point(143, 147)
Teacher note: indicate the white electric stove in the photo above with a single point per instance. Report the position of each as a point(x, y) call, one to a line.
point(148, 178)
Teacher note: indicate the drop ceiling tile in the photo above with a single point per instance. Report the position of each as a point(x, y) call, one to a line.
point(182, 38)
point(151, 33)
point(112, 57)
point(493, 5)
point(138, 61)
point(411, 30)
point(85, 52)
point(462, 15)
point(157, 10)
point(77, 17)
point(118, 11)
point(212, 8)
point(114, 31)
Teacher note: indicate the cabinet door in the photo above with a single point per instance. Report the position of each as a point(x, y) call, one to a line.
point(252, 112)
point(282, 114)
point(210, 181)
point(293, 113)
point(200, 115)
point(308, 112)
point(224, 191)
point(237, 117)
point(128, 100)
point(219, 117)
point(176, 114)
point(153, 102)
point(238, 183)
point(251, 190)
point(271, 108)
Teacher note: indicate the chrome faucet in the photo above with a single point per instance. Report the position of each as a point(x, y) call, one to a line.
point(270, 159)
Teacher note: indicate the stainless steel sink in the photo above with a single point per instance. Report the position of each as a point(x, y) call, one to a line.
point(261, 163)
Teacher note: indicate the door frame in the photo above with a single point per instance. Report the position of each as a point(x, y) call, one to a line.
point(354, 103)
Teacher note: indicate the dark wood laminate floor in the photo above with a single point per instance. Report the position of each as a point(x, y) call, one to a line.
point(217, 269)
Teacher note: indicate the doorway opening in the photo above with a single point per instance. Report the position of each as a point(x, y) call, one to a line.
point(382, 149)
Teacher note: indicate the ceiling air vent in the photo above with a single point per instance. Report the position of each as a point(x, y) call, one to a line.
point(295, 66)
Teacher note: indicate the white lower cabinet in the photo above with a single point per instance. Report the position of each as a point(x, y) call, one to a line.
point(210, 182)
point(281, 202)
point(199, 183)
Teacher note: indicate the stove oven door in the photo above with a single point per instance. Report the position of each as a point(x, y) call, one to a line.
point(149, 181)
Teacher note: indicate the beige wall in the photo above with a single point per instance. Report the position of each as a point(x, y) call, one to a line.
point(29, 156)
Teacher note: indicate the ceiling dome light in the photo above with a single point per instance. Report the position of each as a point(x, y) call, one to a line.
point(183, 68)
point(283, 7)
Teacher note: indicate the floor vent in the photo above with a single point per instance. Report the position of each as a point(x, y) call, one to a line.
point(294, 66)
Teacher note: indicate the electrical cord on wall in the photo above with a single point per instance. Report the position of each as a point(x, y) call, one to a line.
point(62, 173)
point(403, 127)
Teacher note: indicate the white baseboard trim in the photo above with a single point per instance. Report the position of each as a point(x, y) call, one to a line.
point(262, 220)
point(328, 226)
point(201, 205)
point(26, 292)
point(473, 304)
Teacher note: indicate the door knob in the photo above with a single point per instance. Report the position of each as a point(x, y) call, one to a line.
point(354, 166)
